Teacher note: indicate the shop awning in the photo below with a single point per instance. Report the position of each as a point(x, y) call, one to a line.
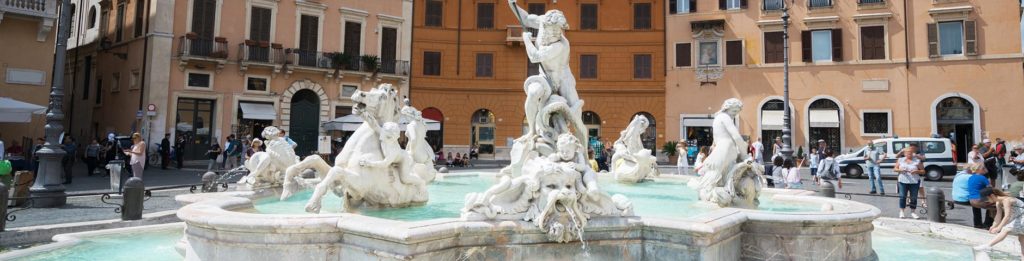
point(698, 122)
point(12, 110)
point(772, 120)
point(258, 111)
point(824, 118)
point(352, 122)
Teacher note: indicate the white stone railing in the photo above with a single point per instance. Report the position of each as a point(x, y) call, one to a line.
point(38, 8)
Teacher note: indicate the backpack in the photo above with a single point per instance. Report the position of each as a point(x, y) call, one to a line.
point(829, 173)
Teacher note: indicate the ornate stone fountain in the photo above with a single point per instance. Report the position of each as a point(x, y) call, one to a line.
point(631, 162)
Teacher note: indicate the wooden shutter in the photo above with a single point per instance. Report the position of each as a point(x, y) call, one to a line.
point(588, 16)
point(389, 46)
point(773, 49)
point(536, 8)
point(734, 52)
point(970, 38)
point(259, 27)
point(308, 30)
point(642, 16)
point(485, 15)
point(353, 36)
point(933, 40)
point(805, 45)
point(484, 64)
point(872, 42)
point(693, 6)
point(683, 56)
point(722, 5)
point(837, 45)
point(433, 13)
point(431, 63)
point(743, 4)
point(588, 66)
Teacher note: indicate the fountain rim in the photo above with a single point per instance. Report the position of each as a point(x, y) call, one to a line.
point(62, 241)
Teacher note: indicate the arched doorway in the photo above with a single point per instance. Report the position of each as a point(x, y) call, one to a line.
point(482, 132)
point(435, 137)
point(305, 121)
point(650, 136)
point(772, 113)
point(955, 119)
point(824, 123)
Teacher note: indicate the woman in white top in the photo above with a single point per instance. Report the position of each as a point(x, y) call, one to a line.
point(793, 174)
point(138, 155)
point(681, 164)
point(698, 162)
point(909, 169)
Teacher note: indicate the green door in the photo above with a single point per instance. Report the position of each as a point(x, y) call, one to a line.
point(305, 121)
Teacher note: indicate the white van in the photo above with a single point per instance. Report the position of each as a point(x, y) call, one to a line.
point(937, 151)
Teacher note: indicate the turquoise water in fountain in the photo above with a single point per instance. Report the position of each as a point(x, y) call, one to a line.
point(154, 245)
point(662, 198)
point(894, 245)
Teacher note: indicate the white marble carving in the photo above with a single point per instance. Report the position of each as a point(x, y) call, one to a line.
point(731, 178)
point(418, 148)
point(631, 162)
point(372, 169)
point(549, 181)
point(266, 168)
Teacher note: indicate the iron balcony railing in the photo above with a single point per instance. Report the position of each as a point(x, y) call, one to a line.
point(772, 5)
point(39, 8)
point(860, 2)
point(819, 3)
point(200, 47)
point(308, 58)
point(260, 53)
point(397, 67)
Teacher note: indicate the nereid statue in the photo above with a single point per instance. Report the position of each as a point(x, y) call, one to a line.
point(548, 181)
point(731, 177)
point(631, 161)
point(266, 167)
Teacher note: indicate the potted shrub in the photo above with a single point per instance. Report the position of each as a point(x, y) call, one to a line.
point(250, 42)
point(371, 63)
point(339, 60)
point(276, 46)
point(220, 39)
point(669, 149)
point(263, 44)
point(191, 35)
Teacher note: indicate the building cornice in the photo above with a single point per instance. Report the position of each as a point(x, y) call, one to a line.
point(345, 11)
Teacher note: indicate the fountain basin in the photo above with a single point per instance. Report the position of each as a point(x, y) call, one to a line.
point(227, 225)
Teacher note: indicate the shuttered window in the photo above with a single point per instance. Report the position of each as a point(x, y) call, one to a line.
point(204, 14)
point(484, 65)
point(353, 38)
point(485, 15)
point(309, 32)
point(433, 13)
point(119, 31)
point(683, 55)
point(588, 66)
point(588, 16)
point(952, 38)
point(642, 16)
point(431, 63)
point(872, 42)
point(140, 11)
point(536, 8)
point(732, 4)
point(734, 52)
point(682, 6)
point(641, 66)
point(259, 24)
point(774, 51)
point(389, 49)
point(822, 45)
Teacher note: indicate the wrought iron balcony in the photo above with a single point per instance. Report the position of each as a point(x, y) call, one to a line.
point(868, 2)
point(819, 3)
point(192, 48)
point(396, 67)
point(262, 53)
point(772, 5)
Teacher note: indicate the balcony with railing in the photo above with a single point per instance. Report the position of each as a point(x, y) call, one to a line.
point(819, 3)
point(333, 64)
point(34, 8)
point(260, 54)
point(394, 67)
point(772, 5)
point(195, 49)
point(870, 2)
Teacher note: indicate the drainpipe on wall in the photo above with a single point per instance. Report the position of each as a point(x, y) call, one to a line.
point(906, 46)
point(74, 69)
point(142, 79)
point(458, 42)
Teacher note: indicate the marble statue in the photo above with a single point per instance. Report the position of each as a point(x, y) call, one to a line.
point(372, 169)
point(266, 167)
point(548, 181)
point(731, 177)
point(632, 162)
point(417, 147)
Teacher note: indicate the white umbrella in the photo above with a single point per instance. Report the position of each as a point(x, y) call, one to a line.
point(12, 110)
point(352, 122)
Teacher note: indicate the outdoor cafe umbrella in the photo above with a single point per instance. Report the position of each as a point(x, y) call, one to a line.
point(12, 110)
point(352, 122)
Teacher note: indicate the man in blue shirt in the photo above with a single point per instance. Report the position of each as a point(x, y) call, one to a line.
point(966, 191)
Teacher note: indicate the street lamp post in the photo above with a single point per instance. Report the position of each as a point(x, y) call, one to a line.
point(787, 126)
point(48, 189)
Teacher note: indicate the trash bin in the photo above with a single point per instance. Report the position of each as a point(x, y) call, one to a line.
point(115, 167)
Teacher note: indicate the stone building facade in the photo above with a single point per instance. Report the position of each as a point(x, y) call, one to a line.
point(27, 37)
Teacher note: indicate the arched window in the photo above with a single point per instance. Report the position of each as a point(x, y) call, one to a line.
point(92, 17)
point(482, 131)
point(824, 124)
point(771, 126)
point(435, 137)
point(650, 136)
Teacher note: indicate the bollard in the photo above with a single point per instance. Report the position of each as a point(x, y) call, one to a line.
point(134, 195)
point(936, 200)
point(209, 178)
point(3, 206)
point(827, 189)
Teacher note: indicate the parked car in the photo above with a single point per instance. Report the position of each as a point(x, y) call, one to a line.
point(937, 151)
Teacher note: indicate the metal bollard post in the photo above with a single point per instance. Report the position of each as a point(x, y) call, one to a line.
point(827, 189)
point(936, 200)
point(208, 182)
point(3, 206)
point(134, 195)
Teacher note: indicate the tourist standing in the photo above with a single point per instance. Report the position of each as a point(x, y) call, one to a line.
point(165, 151)
point(758, 153)
point(213, 153)
point(138, 155)
point(966, 189)
point(873, 157)
point(909, 169)
point(92, 155)
point(256, 146)
point(70, 149)
point(682, 165)
point(1009, 217)
point(828, 170)
point(777, 147)
point(234, 152)
point(179, 150)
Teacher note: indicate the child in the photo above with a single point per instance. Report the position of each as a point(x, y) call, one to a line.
point(813, 157)
point(793, 174)
point(1009, 217)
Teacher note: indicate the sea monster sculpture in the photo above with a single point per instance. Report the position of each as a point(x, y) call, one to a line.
point(731, 178)
point(266, 168)
point(631, 162)
point(548, 181)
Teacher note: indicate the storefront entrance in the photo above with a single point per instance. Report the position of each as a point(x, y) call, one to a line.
point(482, 133)
point(954, 118)
point(193, 122)
point(825, 124)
